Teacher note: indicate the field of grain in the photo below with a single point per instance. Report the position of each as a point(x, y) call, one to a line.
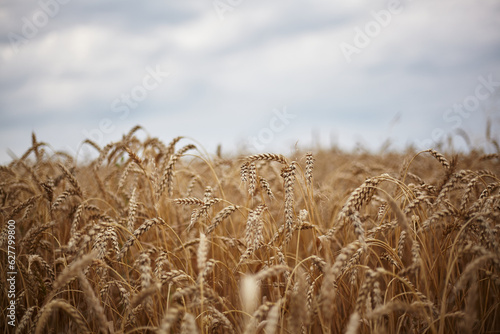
point(163, 238)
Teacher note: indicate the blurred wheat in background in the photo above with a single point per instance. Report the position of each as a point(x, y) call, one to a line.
point(163, 238)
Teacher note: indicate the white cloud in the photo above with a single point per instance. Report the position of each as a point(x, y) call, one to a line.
point(228, 75)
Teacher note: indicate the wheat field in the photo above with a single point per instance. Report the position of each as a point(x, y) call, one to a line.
point(164, 238)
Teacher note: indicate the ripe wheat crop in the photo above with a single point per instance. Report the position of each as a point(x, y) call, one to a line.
point(162, 238)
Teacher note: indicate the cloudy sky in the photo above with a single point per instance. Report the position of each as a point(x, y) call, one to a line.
point(249, 74)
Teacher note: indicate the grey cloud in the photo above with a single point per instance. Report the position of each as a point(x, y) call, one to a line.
point(262, 56)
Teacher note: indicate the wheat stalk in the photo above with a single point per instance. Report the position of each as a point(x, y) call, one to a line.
point(137, 233)
point(62, 304)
